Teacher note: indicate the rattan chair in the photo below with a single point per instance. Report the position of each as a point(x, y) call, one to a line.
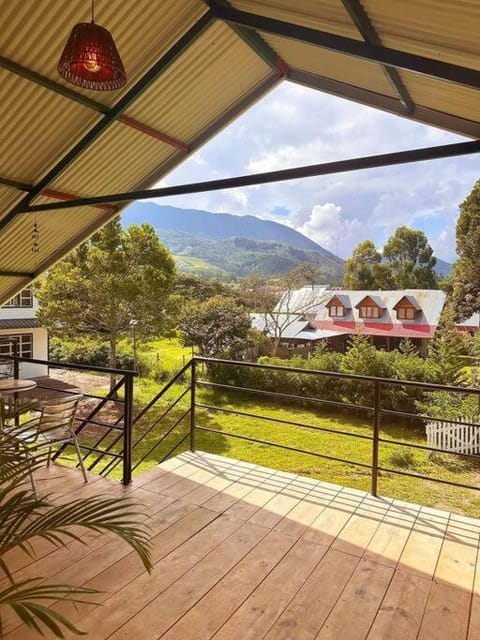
point(53, 426)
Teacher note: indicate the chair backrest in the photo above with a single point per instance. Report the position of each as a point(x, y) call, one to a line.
point(58, 413)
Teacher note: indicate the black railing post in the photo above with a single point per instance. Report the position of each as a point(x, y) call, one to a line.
point(193, 380)
point(376, 433)
point(127, 430)
point(16, 375)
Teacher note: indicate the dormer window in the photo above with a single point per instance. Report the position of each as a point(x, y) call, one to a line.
point(407, 308)
point(371, 307)
point(336, 311)
point(369, 312)
point(406, 313)
point(338, 306)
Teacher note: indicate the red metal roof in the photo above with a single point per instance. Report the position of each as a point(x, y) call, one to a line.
point(396, 330)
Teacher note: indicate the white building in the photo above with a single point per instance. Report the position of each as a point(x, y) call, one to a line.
point(18, 322)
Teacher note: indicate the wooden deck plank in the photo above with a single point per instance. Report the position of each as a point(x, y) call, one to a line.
point(401, 613)
point(162, 612)
point(243, 551)
point(357, 607)
point(420, 554)
point(387, 544)
point(306, 613)
point(446, 615)
point(231, 591)
point(257, 614)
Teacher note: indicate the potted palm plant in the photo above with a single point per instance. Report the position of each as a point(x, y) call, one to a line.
point(25, 518)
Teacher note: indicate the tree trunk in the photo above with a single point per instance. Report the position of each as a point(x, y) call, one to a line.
point(112, 359)
point(276, 344)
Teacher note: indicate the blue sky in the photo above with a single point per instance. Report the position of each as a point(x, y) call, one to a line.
point(295, 126)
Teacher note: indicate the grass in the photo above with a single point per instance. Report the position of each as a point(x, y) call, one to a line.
point(396, 457)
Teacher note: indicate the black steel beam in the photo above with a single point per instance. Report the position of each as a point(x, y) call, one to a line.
point(113, 114)
point(386, 103)
point(16, 274)
point(367, 30)
point(363, 50)
point(254, 41)
point(338, 166)
point(66, 92)
point(213, 129)
point(15, 184)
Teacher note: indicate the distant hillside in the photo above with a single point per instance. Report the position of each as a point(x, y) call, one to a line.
point(443, 268)
point(218, 225)
point(221, 245)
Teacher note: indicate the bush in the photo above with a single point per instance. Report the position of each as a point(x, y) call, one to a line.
point(403, 459)
point(86, 350)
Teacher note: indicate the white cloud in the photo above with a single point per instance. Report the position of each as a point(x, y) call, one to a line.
point(327, 226)
point(296, 126)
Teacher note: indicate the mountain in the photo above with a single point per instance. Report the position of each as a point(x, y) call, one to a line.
point(443, 268)
point(222, 245)
point(218, 225)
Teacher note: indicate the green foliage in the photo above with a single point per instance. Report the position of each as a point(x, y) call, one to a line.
point(116, 276)
point(219, 327)
point(445, 356)
point(361, 267)
point(26, 519)
point(410, 259)
point(407, 262)
point(450, 406)
point(239, 257)
point(407, 348)
point(403, 458)
point(88, 350)
point(465, 279)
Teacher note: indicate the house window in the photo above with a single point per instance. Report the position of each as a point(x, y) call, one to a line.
point(406, 313)
point(336, 311)
point(25, 345)
point(22, 299)
point(369, 312)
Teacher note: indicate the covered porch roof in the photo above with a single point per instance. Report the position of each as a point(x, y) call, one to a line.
point(193, 67)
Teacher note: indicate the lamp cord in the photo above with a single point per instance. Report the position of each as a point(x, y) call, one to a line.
point(93, 11)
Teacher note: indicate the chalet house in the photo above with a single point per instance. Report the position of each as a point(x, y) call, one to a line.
point(386, 317)
point(18, 322)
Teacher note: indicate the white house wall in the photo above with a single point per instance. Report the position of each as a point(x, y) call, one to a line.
point(40, 349)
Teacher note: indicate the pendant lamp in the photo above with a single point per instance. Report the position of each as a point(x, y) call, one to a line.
point(90, 58)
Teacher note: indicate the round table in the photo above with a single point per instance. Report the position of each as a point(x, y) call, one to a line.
point(15, 386)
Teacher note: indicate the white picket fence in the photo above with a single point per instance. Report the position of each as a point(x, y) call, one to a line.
point(462, 436)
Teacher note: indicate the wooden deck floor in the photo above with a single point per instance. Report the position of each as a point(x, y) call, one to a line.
point(245, 552)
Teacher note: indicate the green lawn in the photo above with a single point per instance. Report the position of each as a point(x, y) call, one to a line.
point(446, 467)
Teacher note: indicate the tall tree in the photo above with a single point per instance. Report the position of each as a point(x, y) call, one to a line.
point(218, 327)
point(281, 303)
point(117, 276)
point(410, 260)
point(466, 273)
point(361, 269)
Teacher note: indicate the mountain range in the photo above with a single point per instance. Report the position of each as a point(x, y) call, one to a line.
point(226, 246)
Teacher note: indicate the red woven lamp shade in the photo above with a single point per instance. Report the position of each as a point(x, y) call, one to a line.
point(91, 60)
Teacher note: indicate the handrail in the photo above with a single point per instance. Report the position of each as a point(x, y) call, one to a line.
point(336, 374)
point(68, 365)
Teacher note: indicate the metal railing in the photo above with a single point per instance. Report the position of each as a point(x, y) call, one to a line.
point(130, 439)
point(109, 439)
point(376, 410)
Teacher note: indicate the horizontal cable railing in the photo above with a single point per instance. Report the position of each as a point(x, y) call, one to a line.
point(189, 408)
point(378, 389)
point(103, 420)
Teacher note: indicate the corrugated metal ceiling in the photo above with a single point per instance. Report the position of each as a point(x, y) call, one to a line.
point(193, 97)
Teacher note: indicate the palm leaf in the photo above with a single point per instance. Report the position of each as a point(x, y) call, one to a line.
point(25, 518)
point(27, 600)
